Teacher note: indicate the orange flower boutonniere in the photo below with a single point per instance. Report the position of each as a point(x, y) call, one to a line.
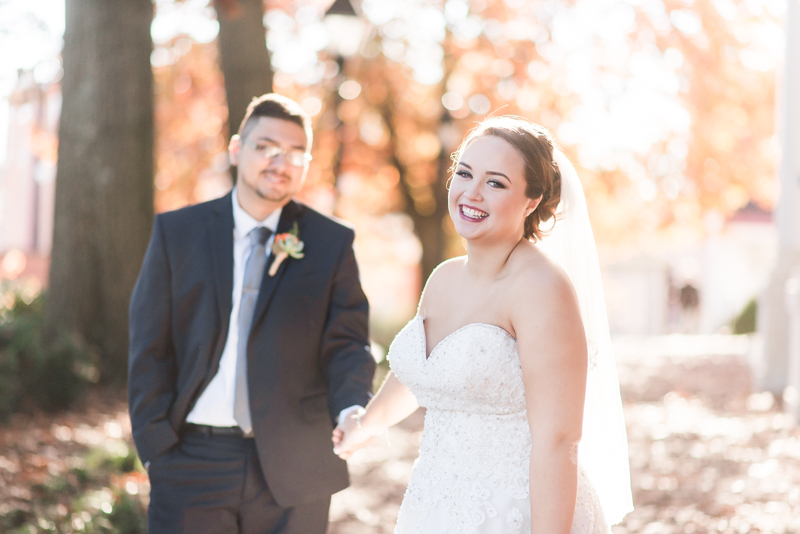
point(286, 245)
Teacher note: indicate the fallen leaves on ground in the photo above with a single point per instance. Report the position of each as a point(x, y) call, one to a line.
point(74, 471)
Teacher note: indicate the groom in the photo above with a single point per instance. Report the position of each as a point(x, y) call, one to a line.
point(242, 355)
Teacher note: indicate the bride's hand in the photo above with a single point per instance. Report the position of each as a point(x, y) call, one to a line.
point(348, 436)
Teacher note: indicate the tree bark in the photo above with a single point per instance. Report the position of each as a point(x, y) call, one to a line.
point(104, 182)
point(431, 229)
point(428, 225)
point(243, 55)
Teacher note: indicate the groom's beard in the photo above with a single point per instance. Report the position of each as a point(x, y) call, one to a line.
point(272, 194)
point(272, 197)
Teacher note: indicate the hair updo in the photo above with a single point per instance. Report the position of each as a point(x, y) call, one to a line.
point(542, 175)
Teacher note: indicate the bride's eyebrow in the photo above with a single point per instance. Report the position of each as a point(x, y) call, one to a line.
point(494, 173)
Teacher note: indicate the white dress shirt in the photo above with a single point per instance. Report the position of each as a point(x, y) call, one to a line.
point(214, 407)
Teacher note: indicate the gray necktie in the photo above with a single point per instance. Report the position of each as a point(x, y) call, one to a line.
point(253, 273)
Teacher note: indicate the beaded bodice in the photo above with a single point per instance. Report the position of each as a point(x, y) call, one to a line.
point(473, 470)
point(479, 362)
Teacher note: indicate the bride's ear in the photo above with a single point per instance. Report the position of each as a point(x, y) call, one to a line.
point(533, 203)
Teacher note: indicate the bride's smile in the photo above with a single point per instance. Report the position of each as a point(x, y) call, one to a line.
point(471, 214)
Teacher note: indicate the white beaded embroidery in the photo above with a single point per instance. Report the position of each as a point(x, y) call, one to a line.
point(471, 476)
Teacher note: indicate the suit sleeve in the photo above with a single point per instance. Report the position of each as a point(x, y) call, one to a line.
point(349, 365)
point(151, 365)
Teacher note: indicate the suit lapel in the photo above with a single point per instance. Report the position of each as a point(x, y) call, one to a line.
point(289, 215)
point(220, 230)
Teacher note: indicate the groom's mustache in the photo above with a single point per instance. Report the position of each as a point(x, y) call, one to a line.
point(275, 173)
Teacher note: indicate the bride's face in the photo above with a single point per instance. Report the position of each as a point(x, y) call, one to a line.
point(487, 195)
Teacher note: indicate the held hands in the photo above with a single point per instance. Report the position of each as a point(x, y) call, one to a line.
point(350, 435)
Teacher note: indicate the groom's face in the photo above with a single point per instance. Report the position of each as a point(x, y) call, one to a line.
point(273, 179)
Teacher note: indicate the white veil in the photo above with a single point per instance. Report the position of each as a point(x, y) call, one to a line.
point(603, 451)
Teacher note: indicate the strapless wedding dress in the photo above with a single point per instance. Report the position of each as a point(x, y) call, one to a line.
point(474, 461)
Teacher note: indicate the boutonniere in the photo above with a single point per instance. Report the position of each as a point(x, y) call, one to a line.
point(286, 245)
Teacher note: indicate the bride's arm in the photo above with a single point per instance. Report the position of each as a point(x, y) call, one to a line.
point(393, 403)
point(553, 355)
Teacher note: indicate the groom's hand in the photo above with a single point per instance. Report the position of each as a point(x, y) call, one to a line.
point(348, 437)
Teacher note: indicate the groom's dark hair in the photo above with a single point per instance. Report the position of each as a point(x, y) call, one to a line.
point(278, 107)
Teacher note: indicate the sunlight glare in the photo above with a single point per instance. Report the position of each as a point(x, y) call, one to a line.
point(191, 17)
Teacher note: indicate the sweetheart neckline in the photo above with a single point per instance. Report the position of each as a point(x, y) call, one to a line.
point(451, 334)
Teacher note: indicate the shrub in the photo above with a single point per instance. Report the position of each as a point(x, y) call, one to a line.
point(20, 324)
point(48, 377)
point(57, 376)
point(745, 322)
point(129, 515)
point(10, 387)
point(118, 459)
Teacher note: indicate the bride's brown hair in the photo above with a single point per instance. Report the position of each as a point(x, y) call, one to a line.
point(542, 175)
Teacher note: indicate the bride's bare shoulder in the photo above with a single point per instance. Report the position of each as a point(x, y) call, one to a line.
point(437, 282)
point(450, 265)
point(545, 314)
point(538, 280)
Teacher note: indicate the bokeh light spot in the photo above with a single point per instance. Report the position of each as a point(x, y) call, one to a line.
point(452, 100)
point(480, 104)
point(350, 89)
point(312, 105)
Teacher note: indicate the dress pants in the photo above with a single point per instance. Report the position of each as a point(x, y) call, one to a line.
point(213, 484)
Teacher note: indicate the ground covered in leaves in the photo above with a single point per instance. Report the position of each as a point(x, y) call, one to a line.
point(76, 471)
point(707, 455)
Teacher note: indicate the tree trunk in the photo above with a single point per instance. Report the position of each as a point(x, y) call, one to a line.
point(104, 183)
point(243, 55)
point(430, 228)
point(428, 224)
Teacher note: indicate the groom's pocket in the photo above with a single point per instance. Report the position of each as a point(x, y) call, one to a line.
point(156, 463)
point(314, 406)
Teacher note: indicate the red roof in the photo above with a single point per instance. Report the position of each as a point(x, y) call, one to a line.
point(751, 213)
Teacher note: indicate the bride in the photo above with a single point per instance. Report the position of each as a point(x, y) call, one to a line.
point(510, 355)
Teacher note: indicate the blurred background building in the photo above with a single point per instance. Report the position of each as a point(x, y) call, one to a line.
point(697, 289)
point(27, 177)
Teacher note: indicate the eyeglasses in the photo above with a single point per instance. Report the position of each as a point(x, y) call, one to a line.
point(294, 157)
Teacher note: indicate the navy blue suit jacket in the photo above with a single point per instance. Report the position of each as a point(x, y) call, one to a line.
point(308, 351)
